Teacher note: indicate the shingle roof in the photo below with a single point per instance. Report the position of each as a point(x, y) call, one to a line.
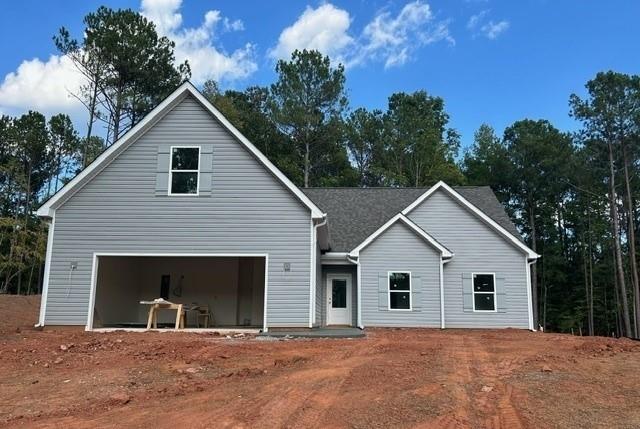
point(356, 213)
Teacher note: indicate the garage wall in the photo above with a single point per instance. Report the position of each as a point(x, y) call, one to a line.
point(247, 211)
point(205, 281)
point(118, 296)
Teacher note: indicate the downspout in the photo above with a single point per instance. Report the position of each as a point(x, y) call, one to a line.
point(358, 290)
point(442, 262)
point(312, 285)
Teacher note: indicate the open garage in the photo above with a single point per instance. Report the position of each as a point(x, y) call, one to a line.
point(215, 291)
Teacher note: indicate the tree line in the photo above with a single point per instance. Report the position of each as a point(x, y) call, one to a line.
point(573, 195)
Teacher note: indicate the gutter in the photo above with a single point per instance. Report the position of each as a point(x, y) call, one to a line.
point(442, 262)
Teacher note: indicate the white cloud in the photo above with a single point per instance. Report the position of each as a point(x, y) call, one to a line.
point(45, 86)
point(474, 20)
point(197, 45)
point(324, 29)
point(236, 25)
point(386, 38)
point(493, 29)
point(480, 26)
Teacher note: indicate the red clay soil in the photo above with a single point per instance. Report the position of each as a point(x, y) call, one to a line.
point(422, 378)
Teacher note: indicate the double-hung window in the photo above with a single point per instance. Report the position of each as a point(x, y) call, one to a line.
point(184, 170)
point(399, 290)
point(484, 292)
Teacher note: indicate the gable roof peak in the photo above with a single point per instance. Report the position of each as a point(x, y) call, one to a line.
point(112, 152)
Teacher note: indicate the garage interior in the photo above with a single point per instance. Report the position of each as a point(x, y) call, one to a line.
point(230, 289)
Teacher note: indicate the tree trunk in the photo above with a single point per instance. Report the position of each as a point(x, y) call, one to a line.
point(615, 224)
point(534, 269)
point(586, 281)
point(117, 111)
point(590, 303)
point(306, 164)
point(632, 243)
point(92, 116)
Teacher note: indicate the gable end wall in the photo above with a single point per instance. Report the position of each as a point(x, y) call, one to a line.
point(247, 211)
point(477, 248)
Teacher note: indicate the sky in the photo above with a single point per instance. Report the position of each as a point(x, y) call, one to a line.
point(491, 61)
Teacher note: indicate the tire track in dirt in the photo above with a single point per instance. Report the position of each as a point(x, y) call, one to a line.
point(497, 403)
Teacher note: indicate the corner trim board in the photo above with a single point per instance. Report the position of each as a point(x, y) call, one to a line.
point(47, 270)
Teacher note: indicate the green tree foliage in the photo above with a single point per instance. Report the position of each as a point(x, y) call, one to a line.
point(35, 155)
point(307, 104)
point(365, 142)
point(420, 148)
point(611, 124)
point(129, 68)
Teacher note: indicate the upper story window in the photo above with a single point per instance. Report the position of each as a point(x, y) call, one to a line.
point(399, 290)
point(184, 170)
point(484, 292)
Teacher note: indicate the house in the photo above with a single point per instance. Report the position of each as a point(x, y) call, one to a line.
point(185, 207)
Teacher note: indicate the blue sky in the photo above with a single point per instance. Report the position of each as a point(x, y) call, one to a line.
point(491, 61)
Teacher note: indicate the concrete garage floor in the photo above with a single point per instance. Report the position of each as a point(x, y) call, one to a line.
point(324, 332)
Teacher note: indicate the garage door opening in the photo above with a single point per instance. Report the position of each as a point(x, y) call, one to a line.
point(215, 291)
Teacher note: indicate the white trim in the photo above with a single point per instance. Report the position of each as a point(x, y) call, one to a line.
point(312, 275)
point(359, 295)
point(441, 185)
point(46, 210)
point(399, 291)
point(47, 271)
point(97, 255)
point(527, 267)
point(441, 294)
point(266, 294)
point(171, 171)
point(336, 258)
point(313, 286)
point(494, 293)
point(400, 217)
point(349, 309)
point(92, 292)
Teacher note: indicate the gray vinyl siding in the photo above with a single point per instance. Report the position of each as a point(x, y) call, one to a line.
point(478, 248)
point(400, 249)
point(247, 211)
point(338, 269)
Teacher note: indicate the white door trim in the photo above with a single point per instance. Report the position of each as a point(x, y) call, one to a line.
point(348, 317)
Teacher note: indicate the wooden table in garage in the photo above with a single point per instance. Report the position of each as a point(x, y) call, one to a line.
point(161, 304)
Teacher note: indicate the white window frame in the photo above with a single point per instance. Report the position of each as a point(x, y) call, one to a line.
point(389, 291)
point(494, 293)
point(171, 171)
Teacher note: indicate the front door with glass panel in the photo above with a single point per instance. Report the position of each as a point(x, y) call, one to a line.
point(338, 299)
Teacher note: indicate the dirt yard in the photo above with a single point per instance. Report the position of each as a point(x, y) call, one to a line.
point(394, 378)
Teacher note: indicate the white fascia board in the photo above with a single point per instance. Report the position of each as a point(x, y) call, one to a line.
point(46, 210)
point(441, 185)
point(446, 253)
